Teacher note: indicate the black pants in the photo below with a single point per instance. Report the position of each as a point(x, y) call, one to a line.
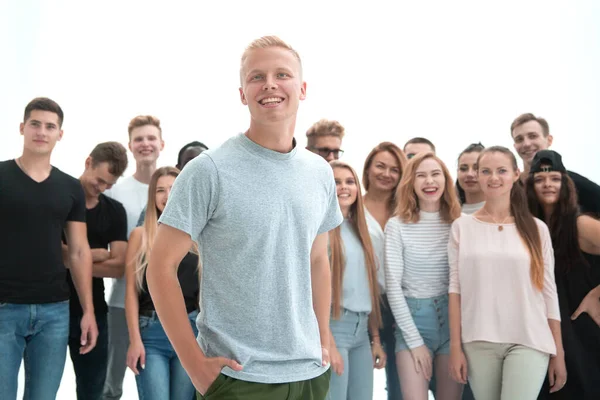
point(90, 368)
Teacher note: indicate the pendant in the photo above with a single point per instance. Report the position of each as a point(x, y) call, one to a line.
point(500, 228)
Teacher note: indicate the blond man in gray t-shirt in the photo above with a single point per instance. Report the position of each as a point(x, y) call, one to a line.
point(259, 208)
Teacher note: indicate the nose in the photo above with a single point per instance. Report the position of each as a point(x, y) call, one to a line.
point(270, 83)
point(471, 172)
point(386, 172)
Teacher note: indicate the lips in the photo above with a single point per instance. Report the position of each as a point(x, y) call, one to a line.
point(430, 191)
point(344, 195)
point(271, 101)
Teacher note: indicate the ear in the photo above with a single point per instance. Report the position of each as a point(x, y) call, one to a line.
point(129, 145)
point(517, 175)
point(162, 144)
point(60, 135)
point(88, 162)
point(549, 139)
point(22, 128)
point(243, 97)
point(303, 91)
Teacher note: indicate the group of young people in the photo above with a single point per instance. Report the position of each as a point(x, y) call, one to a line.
point(260, 270)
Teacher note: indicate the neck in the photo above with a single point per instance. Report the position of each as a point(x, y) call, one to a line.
point(429, 206)
point(143, 172)
point(498, 208)
point(548, 210)
point(345, 211)
point(35, 162)
point(276, 137)
point(472, 198)
point(90, 200)
point(378, 196)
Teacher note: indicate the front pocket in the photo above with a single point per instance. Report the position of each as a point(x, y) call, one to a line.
point(217, 383)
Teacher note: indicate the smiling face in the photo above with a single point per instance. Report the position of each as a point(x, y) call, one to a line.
point(496, 174)
point(272, 86)
point(96, 179)
point(146, 144)
point(429, 182)
point(547, 187)
point(346, 187)
point(529, 139)
point(384, 172)
point(163, 189)
point(41, 131)
point(467, 173)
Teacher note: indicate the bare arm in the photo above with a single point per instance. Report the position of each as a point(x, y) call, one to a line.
point(114, 266)
point(80, 263)
point(321, 286)
point(589, 234)
point(454, 316)
point(131, 292)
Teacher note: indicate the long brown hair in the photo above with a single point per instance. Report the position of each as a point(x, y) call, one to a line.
point(359, 225)
point(408, 208)
point(151, 224)
point(398, 154)
point(562, 222)
point(524, 221)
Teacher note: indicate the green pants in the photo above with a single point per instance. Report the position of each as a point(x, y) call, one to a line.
point(227, 388)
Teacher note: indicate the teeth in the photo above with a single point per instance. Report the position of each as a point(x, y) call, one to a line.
point(344, 195)
point(430, 190)
point(271, 100)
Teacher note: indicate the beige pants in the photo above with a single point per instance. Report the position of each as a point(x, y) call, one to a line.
point(503, 371)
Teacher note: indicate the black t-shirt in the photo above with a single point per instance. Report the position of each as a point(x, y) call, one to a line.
point(188, 280)
point(33, 216)
point(588, 193)
point(106, 223)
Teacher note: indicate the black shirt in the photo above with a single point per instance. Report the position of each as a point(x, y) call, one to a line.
point(106, 223)
point(33, 216)
point(188, 280)
point(588, 193)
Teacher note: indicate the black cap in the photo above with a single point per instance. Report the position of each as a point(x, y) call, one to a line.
point(546, 161)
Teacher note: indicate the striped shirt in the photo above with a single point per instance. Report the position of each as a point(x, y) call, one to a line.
point(416, 266)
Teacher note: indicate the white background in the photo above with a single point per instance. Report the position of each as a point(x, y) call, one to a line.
point(454, 72)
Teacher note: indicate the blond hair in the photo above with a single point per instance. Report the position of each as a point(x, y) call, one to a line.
point(143, 120)
point(266, 42)
point(408, 205)
point(324, 127)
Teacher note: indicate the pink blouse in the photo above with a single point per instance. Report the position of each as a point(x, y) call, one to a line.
point(490, 269)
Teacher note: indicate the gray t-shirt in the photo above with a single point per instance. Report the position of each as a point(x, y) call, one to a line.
point(255, 214)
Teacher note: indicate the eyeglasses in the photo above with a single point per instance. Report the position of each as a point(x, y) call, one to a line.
point(326, 151)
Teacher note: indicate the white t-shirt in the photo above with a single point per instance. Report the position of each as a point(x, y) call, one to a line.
point(133, 194)
point(378, 241)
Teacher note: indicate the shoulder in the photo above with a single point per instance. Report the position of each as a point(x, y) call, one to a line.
point(112, 204)
point(581, 181)
point(393, 224)
point(543, 228)
point(66, 179)
point(136, 234)
point(463, 222)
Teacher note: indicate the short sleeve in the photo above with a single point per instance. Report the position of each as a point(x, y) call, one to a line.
point(118, 224)
point(453, 248)
point(193, 198)
point(77, 212)
point(333, 214)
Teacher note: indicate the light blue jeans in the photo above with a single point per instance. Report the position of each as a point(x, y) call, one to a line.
point(351, 334)
point(38, 334)
point(164, 377)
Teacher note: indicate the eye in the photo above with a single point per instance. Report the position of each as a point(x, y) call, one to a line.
point(395, 170)
point(256, 77)
point(463, 168)
point(283, 75)
point(502, 170)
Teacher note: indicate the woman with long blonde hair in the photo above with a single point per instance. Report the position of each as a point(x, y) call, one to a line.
point(416, 272)
point(504, 316)
point(355, 295)
point(159, 373)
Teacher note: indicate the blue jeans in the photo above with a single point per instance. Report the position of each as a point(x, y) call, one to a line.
point(163, 377)
point(388, 341)
point(37, 333)
point(431, 318)
point(90, 368)
point(352, 341)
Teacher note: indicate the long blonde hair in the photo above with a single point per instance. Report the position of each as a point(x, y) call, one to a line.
point(408, 206)
point(359, 225)
point(150, 226)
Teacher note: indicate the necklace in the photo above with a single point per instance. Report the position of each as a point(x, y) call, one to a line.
point(500, 227)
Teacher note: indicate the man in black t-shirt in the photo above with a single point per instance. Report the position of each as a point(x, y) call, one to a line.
point(106, 222)
point(37, 203)
point(532, 134)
